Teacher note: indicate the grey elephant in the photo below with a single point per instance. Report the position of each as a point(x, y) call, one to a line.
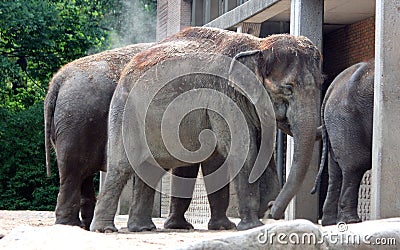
point(290, 70)
point(347, 115)
point(76, 110)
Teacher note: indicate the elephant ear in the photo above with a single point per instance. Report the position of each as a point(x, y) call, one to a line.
point(247, 80)
point(275, 64)
point(241, 55)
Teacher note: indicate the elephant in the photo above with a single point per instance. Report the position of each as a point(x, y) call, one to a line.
point(288, 69)
point(76, 110)
point(347, 117)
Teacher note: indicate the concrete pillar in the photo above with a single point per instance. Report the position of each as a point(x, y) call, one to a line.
point(207, 11)
point(230, 5)
point(306, 19)
point(385, 197)
point(197, 13)
point(214, 9)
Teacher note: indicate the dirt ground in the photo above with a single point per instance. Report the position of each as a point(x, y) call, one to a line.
point(159, 239)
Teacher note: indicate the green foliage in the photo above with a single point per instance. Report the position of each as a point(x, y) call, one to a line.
point(37, 37)
point(23, 181)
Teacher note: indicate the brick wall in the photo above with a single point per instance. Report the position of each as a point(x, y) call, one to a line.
point(348, 45)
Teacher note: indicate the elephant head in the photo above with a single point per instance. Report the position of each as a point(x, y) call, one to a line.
point(290, 69)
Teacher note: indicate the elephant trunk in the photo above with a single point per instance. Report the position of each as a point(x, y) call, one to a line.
point(303, 120)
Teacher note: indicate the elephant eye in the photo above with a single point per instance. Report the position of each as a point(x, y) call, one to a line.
point(287, 88)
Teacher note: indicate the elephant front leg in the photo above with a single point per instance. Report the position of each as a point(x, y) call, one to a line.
point(269, 187)
point(330, 209)
point(88, 201)
point(249, 202)
point(179, 205)
point(248, 193)
point(219, 200)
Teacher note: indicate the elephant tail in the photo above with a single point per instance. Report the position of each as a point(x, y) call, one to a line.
point(49, 106)
point(324, 156)
point(325, 145)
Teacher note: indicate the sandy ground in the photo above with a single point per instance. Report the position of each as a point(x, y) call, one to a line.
point(159, 239)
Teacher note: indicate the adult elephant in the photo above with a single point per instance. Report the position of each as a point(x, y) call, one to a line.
point(347, 115)
point(76, 110)
point(289, 69)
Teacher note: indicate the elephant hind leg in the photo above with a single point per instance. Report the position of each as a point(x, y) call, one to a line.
point(88, 201)
point(143, 197)
point(348, 200)
point(107, 204)
point(68, 199)
point(219, 200)
point(179, 205)
point(330, 209)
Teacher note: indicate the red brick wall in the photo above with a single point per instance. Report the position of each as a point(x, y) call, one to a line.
point(347, 46)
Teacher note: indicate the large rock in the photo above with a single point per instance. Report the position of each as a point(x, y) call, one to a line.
point(302, 234)
point(376, 234)
point(279, 235)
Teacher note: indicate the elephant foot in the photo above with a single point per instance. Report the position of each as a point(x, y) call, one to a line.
point(103, 227)
point(175, 222)
point(221, 224)
point(348, 219)
point(86, 224)
point(244, 225)
point(107, 229)
point(275, 212)
point(328, 220)
point(69, 222)
point(141, 225)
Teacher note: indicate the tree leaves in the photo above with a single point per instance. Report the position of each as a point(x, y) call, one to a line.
point(37, 37)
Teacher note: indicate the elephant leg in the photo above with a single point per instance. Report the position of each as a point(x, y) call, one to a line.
point(119, 171)
point(249, 199)
point(269, 187)
point(248, 193)
point(68, 199)
point(107, 203)
point(348, 200)
point(143, 198)
point(330, 208)
point(219, 200)
point(178, 206)
point(88, 201)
